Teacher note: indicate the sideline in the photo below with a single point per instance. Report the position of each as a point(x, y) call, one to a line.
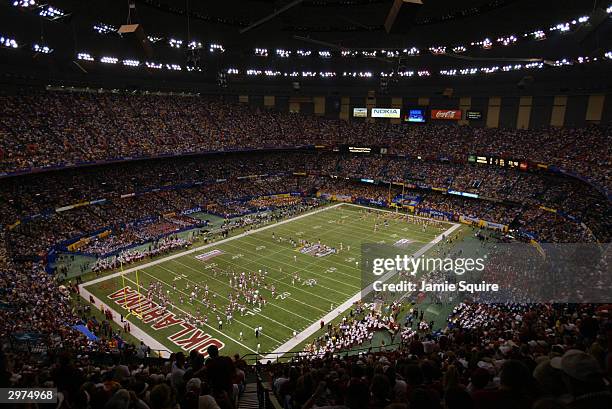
point(193, 250)
point(136, 331)
point(315, 326)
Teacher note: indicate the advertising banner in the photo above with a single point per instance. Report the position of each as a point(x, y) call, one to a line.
point(360, 112)
point(385, 112)
point(449, 114)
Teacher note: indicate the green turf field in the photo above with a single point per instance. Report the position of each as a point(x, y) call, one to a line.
point(294, 307)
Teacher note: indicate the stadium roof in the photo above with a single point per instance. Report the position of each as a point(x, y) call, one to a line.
point(239, 27)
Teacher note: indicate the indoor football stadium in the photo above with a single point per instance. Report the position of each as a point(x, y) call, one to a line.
point(296, 204)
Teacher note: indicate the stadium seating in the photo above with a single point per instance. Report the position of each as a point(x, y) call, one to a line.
point(503, 356)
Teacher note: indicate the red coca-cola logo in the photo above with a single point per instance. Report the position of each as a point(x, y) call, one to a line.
point(445, 114)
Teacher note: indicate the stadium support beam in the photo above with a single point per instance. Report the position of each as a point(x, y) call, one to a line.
point(401, 15)
point(271, 16)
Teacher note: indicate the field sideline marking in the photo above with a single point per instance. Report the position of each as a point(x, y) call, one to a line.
point(216, 243)
point(337, 311)
point(315, 326)
point(143, 335)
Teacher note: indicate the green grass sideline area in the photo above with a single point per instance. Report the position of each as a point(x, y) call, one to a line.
point(299, 286)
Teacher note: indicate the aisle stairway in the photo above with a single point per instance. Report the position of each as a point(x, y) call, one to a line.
point(248, 399)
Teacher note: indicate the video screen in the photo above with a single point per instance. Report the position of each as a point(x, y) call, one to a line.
point(473, 115)
point(415, 115)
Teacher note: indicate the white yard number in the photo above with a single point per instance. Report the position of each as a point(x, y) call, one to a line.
point(209, 266)
point(260, 248)
point(331, 270)
point(235, 256)
point(282, 296)
point(253, 311)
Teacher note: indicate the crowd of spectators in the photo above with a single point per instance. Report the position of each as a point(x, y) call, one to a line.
point(487, 356)
point(34, 215)
point(57, 128)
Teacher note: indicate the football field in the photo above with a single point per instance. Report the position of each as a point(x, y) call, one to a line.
point(299, 271)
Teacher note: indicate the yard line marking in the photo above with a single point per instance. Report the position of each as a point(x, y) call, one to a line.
point(295, 287)
point(205, 324)
point(235, 319)
point(206, 246)
point(278, 306)
point(138, 333)
point(321, 259)
point(356, 225)
point(315, 326)
point(296, 268)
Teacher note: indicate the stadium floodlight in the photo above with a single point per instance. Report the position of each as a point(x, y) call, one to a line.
point(561, 62)
point(325, 54)
point(536, 34)
point(412, 51)
point(608, 55)
point(508, 40)
point(52, 13)
point(253, 72)
point(109, 60)
point(154, 39)
point(232, 71)
point(348, 53)
point(390, 53)
point(216, 48)
point(283, 53)
point(561, 27)
point(102, 28)
point(191, 68)
point(194, 45)
point(154, 65)
point(423, 73)
point(43, 49)
point(459, 49)
point(173, 67)
point(486, 43)
point(261, 52)
point(303, 53)
point(174, 43)
point(271, 73)
point(8, 42)
point(131, 63)
point(437, 50)
point(85, 57)
point(25, 3)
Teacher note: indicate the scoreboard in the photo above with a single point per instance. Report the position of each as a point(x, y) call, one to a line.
point(362, 149)
point(497, 161)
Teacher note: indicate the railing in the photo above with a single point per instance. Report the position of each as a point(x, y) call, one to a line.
point(39, 346)
point(293, 356)
point(265, 396)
